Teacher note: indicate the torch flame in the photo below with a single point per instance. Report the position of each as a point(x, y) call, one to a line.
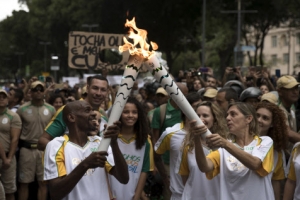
point(139, 46)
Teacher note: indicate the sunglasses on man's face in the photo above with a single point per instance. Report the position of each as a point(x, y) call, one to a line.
point(37, 89)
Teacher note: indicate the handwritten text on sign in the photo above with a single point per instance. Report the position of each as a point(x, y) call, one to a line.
point(85, 48)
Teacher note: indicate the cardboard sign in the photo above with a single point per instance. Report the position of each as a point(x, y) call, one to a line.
point(85, 47)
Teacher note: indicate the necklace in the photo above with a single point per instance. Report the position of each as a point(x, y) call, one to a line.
point(238, 146)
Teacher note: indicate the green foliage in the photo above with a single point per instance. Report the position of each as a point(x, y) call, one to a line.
point(175, 25)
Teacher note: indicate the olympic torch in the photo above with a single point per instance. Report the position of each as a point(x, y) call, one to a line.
point(138, 55)
point(129, 76)
point(163, 77)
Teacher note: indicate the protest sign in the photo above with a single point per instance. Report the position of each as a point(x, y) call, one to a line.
point(85, 49)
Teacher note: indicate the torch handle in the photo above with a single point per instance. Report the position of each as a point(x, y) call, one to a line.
point(128, 79)
point(163, 77)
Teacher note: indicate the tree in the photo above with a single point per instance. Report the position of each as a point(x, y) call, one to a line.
point(269, 14)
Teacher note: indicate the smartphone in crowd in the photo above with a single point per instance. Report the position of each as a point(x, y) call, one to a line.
point(48, 81)
point(196, 73)
point(203, 69)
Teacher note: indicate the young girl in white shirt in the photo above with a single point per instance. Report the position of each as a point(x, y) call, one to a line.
point(135, 144)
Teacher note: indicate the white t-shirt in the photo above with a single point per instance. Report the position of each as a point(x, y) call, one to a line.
point(294, 170)
point(239, 182)
point(171, 140)
point(197, 185)
point(138, 161)
point(62, 157)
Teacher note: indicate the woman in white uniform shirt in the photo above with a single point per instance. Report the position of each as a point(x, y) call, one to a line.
point(243, 164)
point(196, 185)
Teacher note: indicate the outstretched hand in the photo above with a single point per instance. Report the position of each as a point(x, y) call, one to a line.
point(215, 141)
point(197, 130)
point(95, 159)
point(112, 131)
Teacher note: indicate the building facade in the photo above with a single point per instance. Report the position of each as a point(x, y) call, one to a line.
point(282, 50)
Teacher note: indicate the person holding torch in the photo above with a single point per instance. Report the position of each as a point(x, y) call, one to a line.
point(135, 144)
point(243, 164)
point(213, 118)
point(73, 168)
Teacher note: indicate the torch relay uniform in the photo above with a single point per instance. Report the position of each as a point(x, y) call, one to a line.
point(138, 161)
point(197, 185)
point(62, 157)
point(294, 170)
point(171, 140)
point(239, 182)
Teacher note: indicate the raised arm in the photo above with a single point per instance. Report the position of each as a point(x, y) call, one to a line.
point(250, 161)
point(204, 164)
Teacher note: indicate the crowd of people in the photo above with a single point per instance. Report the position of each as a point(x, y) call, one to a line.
point(50, 134)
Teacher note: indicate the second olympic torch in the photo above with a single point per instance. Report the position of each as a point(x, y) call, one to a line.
point(138, 56)
point(166, 81)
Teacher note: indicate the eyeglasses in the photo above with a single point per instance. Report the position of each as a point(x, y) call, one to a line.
point(37, 89)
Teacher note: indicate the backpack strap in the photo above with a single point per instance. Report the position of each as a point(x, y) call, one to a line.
point(163, 109)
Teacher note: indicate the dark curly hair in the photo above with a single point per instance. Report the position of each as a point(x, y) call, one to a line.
point(279, 130)
point(141, 127)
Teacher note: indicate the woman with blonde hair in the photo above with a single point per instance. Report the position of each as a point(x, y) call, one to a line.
point(213, 117)
point(244, 164)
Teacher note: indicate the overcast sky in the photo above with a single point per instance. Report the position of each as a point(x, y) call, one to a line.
point(7, 6)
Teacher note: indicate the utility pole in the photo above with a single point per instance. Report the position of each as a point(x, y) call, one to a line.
point(203, 33)
point(45, 54)
point(19, 54)
point(237, 48)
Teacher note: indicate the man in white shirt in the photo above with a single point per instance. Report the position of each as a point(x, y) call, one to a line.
point(71, 164)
